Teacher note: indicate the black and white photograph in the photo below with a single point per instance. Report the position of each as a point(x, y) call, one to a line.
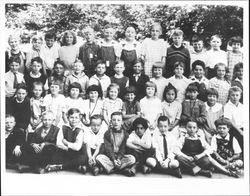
point(124, 98)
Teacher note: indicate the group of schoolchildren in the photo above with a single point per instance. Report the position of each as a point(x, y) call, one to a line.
point(125, 107)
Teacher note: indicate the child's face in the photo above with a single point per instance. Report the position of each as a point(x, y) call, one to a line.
point(74, 93)
point(130, 97)
point(95, 125)
point(198, 46)
point(192, 128)
point(157, 72)
point(215, 43)
point(177, 40)
point(21, 94)
point(59, 69)
point(198, 71)
point(150, 91)
point(116, 122)
point(178, 71)
point(221, 72)
point(130, 33)
point(137, 68)
point(54, 89)
point(100, 69)
point(37, 44)
point(14, 43)
point(223, 130)
point(140, 130)
point(93, 95)
point(38, 90)
point(212, 99)
point(109, 34)
point(14, 67)
point(236, 46)
point(113, 93)
point(163, 126)
point(78, 67)
point(155, 32)
point(89, 35)
point(170, 96)
point(49, 42)
point(69, 38)
point(36, 67)
point(239, 73)
point(74, 119)
point(48, 120)
point(235, 97)
point(119, 68)
point(9, 124)
point(192, 94)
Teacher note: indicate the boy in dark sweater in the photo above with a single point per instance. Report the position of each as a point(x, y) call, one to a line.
point(113, 156)
point(177, 52)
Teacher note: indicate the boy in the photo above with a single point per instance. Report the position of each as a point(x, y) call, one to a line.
point(164, 145)
point(114, 157)
point(138, 80)
point(14, 141)
point(42, 147)
point(226, 149)
point(193, 152)
point(177, 52)
point(88, 52)
point(94, 139)
point(100, 78)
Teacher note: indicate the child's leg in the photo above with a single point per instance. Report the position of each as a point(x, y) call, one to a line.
point(188, 165)
point(127, 160)
point(105, 162)
point(204, 163)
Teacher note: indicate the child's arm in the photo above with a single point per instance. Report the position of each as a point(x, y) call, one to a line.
point(174, 124)
point(207, 150)
point(203, 114)
point(59, 140)
point(77, 145)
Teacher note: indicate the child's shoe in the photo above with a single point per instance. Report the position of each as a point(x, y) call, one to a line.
point(129, 172)
point(50, 168)
point(177, 172)
point(39, 170)
point(146, 169)
point(206, 173)
point(233, 174)
point(23, 168)
point(96, 171)
point(82, 169)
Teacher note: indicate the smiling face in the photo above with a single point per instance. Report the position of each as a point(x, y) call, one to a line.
point(54, 89)
point(130, 34)
point(150, 91)
point(74, 93)
point(221, 72)
point(198, 46)
point(49, 42)
point(198, 71)
point(235, 97)
point(93, 96)
point(119, 68)
point(37, 44)
point(14, 43)
point(239, 73)
point(192, 128)
point(74, 119)
point(78, 67)
point(212, 99)
point(130, 97)
point(113, 93)
point(178, 71)
point(192, 94)
point(236, 47)
point(157, 72)
point(137, 68)
point(37, 91)
point(69, 38)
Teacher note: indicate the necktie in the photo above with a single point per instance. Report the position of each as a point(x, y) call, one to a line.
point(165, 147)
point(15, 81)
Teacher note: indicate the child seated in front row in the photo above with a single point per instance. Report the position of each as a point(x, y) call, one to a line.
point(93, 137)
point(139, 145)
point(113, 157)
point(193, 152)
point(164, 144)
point(226, 149)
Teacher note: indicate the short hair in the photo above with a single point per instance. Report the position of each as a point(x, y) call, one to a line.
point(100, 62)
point(216, 36)
point(88, 29)
point(14, 59)
point(151, 84)
point(37, 83)
point(10, 116)
point(190, 119)
point(56, 82)
point(140, 121)
point(14, 36)
point(96, 116)
point(237, 67)
point(140, 61)
point(48, 112)
point(112, 85)
point(236, 39)
point(162, 118)
point(50, 36)
point(218, 65)
point(59, 62)
point(198, 62)
point(212, 91)
point(95, 88)
point(168, 88)
point(75, 85)
point(192, 87)
point(178, 32)
point(37, 37)
point(69, 33)
point(223, 121)
point(37, 59)
point(197, 38)
point(108, 26)
point(130, 89)
point(179, 63)
point(132, 25)
point(72, 111)
point(116, 114)
point(158, 64)
point(119, 62)
point(234, 89)
point(22, 86)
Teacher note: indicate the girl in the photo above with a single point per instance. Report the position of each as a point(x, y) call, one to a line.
point(74, 100)
point(158, 79)
point(170, 107)
point(151, 105)
point(120, 79)
point(220, 83)
point(130, 50)
point(58, 75)
point(112, 103)
point(214, 56)
point(68, 53)
point(238, 78)
point(154, 49)
point(35, 75)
